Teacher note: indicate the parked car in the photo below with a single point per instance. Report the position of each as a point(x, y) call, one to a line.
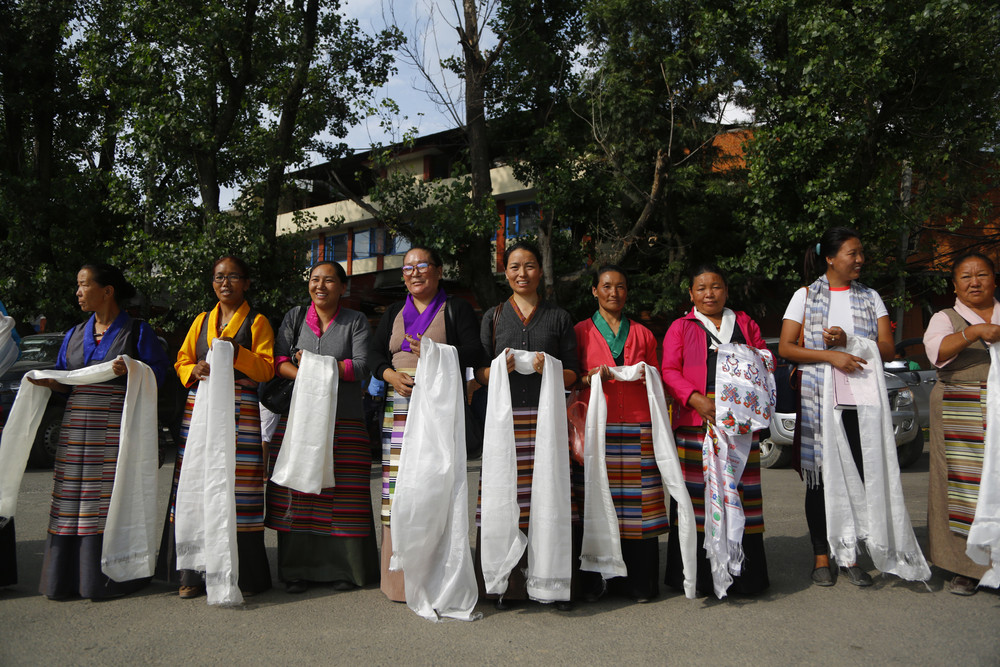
point(914, 368)
point(776, 441)
point(39, 352)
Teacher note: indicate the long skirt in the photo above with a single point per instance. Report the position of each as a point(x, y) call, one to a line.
point(393, 423)
point(637, 493)
point(525, 421)
point(255, 572)
point(754, 578)
point(83, 478)
point(958, 431)
point(8, 554)
point(329, 536)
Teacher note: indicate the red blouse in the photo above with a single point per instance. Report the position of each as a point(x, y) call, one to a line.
point(627, 402)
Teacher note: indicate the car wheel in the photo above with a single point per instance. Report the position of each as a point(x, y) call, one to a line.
point(774, 456)
point(911, 452)
point(43, 452)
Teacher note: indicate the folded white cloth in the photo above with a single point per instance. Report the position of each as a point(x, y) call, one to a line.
point(305, 460)
point(983, 543)
point(205, 507)
point(601, 551)
point(549, 536)
point(430, 510)
point(129, 542)
point(873, 510)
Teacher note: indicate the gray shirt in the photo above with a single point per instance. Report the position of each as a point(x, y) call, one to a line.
point(345, 338)
point(549, 330)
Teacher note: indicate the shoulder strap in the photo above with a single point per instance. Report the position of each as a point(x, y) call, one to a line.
point(705, 329)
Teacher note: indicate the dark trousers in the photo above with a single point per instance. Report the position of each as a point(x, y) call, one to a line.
point(815, 500)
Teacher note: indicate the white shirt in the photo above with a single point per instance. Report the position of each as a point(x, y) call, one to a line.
point(840, 309)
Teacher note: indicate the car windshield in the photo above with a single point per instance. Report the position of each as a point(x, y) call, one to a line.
point(40, 349)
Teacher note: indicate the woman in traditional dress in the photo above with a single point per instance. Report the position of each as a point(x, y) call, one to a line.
point(832, 308)
point(957, 342)
point(232, 320)
point(395, 349)
point(526, 321)
point(329, 536)
point(611, 339)
point(86, 457)
point(690, 352)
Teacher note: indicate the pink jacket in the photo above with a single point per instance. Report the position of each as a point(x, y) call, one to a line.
point(627, 402)
point(685, 355)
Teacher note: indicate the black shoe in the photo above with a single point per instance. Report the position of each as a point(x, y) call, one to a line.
point(565, 605)
point(821, 576)
point(962, 585)
point(501, 605)
point(295, 587)
point(857, 576)
point(342, 585)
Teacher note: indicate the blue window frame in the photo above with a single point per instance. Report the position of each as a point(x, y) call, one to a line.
point(312, 252)
point(522, 219)
point(363, 243)
point(336, 248)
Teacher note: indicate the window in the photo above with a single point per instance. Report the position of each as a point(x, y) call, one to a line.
point(312, 252)
point(522, 219)
point(363, 243)
point(336, 248)
point(399, 245)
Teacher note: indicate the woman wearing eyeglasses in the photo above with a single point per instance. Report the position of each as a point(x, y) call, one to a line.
point(395, 349)
point(232, 320)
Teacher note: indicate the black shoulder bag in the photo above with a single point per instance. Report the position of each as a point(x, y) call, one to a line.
point(276, 393)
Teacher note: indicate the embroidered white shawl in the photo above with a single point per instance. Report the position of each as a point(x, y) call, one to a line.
point(744, 398)
point(205, 510)
point(601, 551)
point(873, 510)
point(430, 510)
point(8, 348)
point(548, 540)
point(305, 460)
point(129, 544)
point(983, 543)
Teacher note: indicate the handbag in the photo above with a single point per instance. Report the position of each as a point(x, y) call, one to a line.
point(276, 393)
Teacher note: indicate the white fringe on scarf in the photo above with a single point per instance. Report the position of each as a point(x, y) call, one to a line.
point(872, 511)
point(128, 548)
point(601, 551)
point(205, 507)
point(430, 509)
point(549, 536)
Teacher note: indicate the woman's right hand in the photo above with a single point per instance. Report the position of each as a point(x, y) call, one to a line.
point(987, 332)
point(703, 405)
point(401, 382)
point(54, 385)
point(603, 370)
point(845, 362)
point(200, 371)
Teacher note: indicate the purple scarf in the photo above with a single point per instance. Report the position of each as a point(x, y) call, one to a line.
point(414, 323)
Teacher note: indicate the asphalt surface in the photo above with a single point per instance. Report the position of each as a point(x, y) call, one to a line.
point(794, 623)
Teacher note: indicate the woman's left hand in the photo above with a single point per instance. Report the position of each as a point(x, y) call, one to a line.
point(835, 337)
point(539, 363)
point(119, 367)
point(414, 344)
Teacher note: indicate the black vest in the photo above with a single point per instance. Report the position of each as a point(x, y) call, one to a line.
point(126, 342)
point(243, 336)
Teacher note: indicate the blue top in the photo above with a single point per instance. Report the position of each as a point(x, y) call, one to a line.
point(149, 349)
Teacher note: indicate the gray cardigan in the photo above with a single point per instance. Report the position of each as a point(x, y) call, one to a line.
point(345, 338)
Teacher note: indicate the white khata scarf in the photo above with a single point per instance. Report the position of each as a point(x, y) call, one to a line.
point(983, 543)
point(744, 398)
point(430, 509)
point(548, 540)
point(305, 460)
point(721, 334)
point(873, 510)
point(129, 544)
point(205, 509)
point(601, 550)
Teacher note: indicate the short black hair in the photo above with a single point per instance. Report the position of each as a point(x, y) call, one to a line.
point(973, 255)
point(606, 268)
point(435, 256)
point(522, 245)
point(708, 267)
point(107, 275)
point(338, 269)
point(243, 267)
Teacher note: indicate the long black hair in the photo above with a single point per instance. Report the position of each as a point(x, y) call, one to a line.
point(828, 246)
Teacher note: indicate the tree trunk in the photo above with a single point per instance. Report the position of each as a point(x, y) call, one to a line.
point(905, 194)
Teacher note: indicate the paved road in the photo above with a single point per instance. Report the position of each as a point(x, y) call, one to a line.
point(794, 623)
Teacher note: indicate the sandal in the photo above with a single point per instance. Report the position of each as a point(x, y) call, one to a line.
point(190, 592)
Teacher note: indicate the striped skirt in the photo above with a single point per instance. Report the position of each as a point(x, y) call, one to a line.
point(689, 440)
point(344, 510)
point(393, 423)
point(525, 421)
point(85, 460)
point(249, 459)
point(963, 417)
point(634, 479)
